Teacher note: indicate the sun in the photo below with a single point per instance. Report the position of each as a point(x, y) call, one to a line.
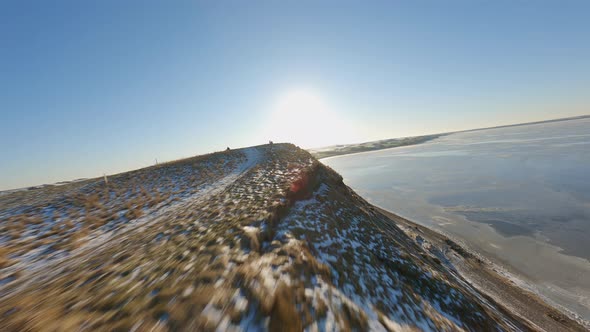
point(304, 118)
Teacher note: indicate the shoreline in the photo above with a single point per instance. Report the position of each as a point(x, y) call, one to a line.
point(355, 148)
point(483, 275)
point(391, 143)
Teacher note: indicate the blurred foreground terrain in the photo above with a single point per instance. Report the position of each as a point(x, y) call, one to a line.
point(262, 238)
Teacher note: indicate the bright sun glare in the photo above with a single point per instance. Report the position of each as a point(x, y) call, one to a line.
point(305, 119)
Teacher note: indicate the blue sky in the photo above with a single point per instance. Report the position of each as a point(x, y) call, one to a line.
point(93, 87)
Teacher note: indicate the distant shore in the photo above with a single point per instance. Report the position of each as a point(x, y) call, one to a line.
point(482, 275)
point(338, 150)
point(342, 149)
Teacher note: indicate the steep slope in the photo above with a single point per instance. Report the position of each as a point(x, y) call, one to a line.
point(258, 238)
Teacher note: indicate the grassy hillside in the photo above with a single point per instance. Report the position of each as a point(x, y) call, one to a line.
point(264, 238)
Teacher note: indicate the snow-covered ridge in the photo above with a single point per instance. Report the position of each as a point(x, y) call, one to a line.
point(264, 238)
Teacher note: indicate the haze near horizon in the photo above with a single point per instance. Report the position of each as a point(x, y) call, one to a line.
point(93, 88)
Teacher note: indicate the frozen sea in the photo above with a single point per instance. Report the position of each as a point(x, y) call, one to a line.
point(518, 195)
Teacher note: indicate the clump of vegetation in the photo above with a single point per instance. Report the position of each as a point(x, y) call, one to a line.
point(5, 261)
point(133, 212)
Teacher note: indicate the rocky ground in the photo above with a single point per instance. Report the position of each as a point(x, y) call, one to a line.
point(263, 238)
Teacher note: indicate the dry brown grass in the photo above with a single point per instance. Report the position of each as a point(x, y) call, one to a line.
point(77, 238)
point(93, 221)
point(156, 199)
point(284, 315)
point(4, 260)
point(133, 213)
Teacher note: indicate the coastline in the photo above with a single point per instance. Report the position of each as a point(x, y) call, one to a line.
point(341, 150)
point(483, 275)
point(391, 143)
